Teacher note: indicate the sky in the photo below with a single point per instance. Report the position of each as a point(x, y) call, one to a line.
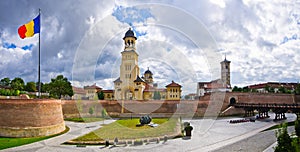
point(184, 41)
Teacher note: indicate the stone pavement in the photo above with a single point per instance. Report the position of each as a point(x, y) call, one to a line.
point(208, 135)
point(54, 144)
point(263, 141)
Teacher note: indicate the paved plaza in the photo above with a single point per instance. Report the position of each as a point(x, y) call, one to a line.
point(208, 135)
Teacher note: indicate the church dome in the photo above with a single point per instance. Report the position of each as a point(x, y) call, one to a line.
point(148, 72)
point(129, 33)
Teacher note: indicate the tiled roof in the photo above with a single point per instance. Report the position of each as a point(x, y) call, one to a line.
point(77, 90)
point(94, 86)
point(273, 85)
point(173, 84)
point(138, 79)
point(108, 91)
point(117, 80)
point(215, 84)
point(150, 88)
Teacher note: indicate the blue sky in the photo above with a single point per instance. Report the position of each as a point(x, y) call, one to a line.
point(179, 40)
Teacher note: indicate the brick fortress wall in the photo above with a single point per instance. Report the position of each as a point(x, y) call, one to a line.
point(30, 118)
point(209, 105)
point(262, 98)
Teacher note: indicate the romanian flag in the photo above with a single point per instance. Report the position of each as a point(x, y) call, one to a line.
point(29, 29)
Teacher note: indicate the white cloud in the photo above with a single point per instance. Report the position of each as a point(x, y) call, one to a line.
point(220, 3)
point(85, 39)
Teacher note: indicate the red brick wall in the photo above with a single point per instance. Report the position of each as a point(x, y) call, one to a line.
point(29, 117)
point(218, 102)
point(257, 98)
point(33, 113)
point(261, 98)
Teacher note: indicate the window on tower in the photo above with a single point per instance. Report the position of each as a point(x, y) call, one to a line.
point(127, 67)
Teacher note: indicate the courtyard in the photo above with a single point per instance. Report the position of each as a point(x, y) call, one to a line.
point(205, 137)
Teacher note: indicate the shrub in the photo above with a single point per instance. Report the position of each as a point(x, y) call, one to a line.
point(91, 110)
point(104, 113)
point(284, 141)
point(297, 128)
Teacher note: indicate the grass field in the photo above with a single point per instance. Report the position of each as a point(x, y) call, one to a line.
point(280, 125)
point(14, 142)
point(126, 129)
point(85, 119)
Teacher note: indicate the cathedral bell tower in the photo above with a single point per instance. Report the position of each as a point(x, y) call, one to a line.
point(129, 69)
point(129, 41)
point(225, 73)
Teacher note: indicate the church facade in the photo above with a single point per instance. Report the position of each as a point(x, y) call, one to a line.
point(219, 85)
point(133, 86)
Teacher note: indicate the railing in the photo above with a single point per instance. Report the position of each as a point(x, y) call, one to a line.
point(267, 105)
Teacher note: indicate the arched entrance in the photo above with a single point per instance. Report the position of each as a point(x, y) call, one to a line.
point(128, 94)
point(232, 101)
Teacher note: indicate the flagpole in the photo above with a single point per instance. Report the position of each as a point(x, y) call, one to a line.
point(39, 70)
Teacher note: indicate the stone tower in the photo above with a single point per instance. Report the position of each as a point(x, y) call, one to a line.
point(129, 69)
point(148, 77)
point(225, 73)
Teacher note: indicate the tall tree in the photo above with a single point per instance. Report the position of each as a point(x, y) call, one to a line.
point(282, 89)
point(30, 87)
point(156, 95)
point(297, 128)
point(59, 87)
point(236, 89)
point(18, 84)
point(267, 88)
point(5, 82)
point(284, 141)
point(297, 90)
point(245, 89)
point(101, 95)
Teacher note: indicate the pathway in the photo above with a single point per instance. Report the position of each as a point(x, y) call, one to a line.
point(219, 136)
point(54, 144)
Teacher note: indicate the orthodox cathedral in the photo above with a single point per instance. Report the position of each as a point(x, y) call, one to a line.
point(133, 86)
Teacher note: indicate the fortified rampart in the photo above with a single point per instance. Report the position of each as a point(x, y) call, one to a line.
point(30, 117)
point(209, 105)
point(262, 98)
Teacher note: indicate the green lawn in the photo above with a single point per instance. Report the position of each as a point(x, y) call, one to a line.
point(280, 125)
point(126, 129)
point(14, 142)
point(85, 119)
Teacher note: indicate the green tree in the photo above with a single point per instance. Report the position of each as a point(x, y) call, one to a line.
point(59, 87)
point(18, 84)
point(284, 141)
point(101, 95)
point(30, 87)
point(267, 88)
point(156, 95)
point(245, 89)
point(254, 90)
point(186, 97)
point(104, 113)
point(236, 89)
point(282, 90)
point(297, 128)
point(5, 82)
point(297, 89)
point(91, 110)
point(44, 87)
